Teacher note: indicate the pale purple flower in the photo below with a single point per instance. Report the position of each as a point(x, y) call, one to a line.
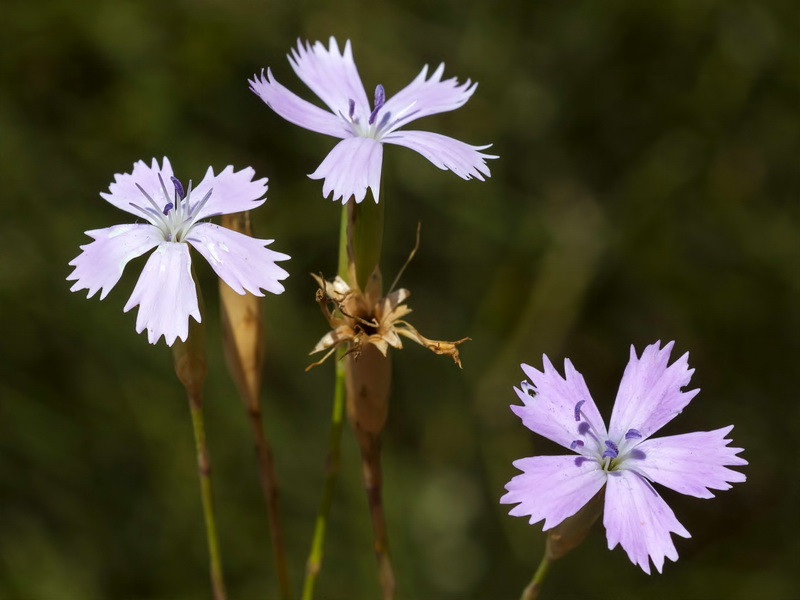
point(622, 457)
point(354, 164)
point(165, 292)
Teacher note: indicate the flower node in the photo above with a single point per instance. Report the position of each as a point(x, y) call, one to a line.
point(361, 317)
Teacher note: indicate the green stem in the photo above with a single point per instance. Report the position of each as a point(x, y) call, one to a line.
point(204, 469)
point(191, 367)
point(535, 586)
point(360, 240)
point(314, 563)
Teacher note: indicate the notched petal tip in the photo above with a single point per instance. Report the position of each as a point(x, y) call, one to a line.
point(351, 168)
point(165, 294)
point(641, 521)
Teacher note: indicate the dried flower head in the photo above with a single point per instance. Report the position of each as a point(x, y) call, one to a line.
point(366, 317)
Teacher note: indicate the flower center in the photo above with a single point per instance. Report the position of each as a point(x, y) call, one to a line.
point(593, 444)
point(380, 98)
point(371, 127)
point(176, 215)
point(606, 452)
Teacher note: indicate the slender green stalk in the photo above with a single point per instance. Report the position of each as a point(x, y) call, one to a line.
point(191, 368)
point(535, 586)
point(360, 240)
point(363, 241)
point(204, 469)
point(314, 563)
point(333, 458)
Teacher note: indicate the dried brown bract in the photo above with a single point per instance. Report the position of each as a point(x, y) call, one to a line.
point(365, 317)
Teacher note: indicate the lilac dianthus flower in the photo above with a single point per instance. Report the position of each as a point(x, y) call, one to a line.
point(623, 458)
point(354, 164)
point(165, 292)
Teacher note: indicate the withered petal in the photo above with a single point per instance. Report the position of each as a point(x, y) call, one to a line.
point(335, 337)
point(436, 346)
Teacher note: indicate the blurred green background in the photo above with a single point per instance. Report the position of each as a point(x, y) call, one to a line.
point(647, 189)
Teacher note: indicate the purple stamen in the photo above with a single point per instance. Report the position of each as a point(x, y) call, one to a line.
point(385, 120)
point(188, 196)
point(352, 105)
point(156, 208)
point(380, 98)
point(578, 410)
point(200, 204)
point(163, 187)
point(372, 116)
point(576, 444)
point(633, 434)
point(612, 451)
point(178, 188)
point(145, 211)
point(168, 208)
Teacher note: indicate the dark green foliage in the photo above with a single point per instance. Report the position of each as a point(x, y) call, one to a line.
point(647, 189)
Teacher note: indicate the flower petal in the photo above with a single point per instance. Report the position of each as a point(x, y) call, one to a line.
point(166, 294)
point(550, 412)
point(638, 518)
point(330, 74)
point(124, 191)
point(552, 488)
point(692, 463)
point(445, 152)
point(240, 261)
point(350, 168)
point(423, 97)
point(230, 192)
point(650, 393)
point(102, 261)
point(296, 110)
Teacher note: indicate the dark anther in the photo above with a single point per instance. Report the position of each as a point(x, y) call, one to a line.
point(578, 410)
point(178, 188)
point(633, 434)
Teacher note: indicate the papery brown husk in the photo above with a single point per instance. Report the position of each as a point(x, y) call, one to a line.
point(243, 343)
point(242, 327)
point(368, 378)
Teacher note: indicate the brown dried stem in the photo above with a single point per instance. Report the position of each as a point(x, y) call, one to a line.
point(243, 343)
